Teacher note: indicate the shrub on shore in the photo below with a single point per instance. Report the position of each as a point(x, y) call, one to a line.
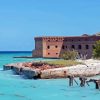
point(96, 50)
point(69, 55)
point(63, 63)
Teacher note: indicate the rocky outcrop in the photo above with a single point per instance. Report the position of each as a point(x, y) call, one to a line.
point(19, 69)
point(8, 67)
point(44, 71)
point(79, 70)
point(30, 73)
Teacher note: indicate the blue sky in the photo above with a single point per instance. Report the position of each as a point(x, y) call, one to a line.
point(22, 20)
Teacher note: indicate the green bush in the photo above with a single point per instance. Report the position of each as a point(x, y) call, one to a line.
point(96, 50)
point(69, 55)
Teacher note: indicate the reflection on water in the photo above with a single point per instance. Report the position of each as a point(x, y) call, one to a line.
point(14, 87)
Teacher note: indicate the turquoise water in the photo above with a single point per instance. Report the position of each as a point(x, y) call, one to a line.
point(14, 87)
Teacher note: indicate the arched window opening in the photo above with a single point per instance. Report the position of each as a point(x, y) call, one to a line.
point(48, 53)
point(79, 47)
point(87, 46)
point(56, 46)
point(56, 53)
point(48, 47)
point(73, 47)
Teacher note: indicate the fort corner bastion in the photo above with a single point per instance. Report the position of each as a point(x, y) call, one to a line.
point(53, 46)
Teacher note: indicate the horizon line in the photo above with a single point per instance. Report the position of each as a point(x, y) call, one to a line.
point(15, 51)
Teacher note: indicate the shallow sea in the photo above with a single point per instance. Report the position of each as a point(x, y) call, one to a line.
point(14, 87)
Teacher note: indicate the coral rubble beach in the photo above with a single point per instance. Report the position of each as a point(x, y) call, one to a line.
point(43, 70)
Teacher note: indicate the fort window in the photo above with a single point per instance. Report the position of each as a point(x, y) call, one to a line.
point(73, 47)
point(48, 53)
point(56, 46)
point(56, 53)
point(79, 47)
point(48, 40)
point(87, 46)
point(66, 46)
point(63, 47)
point(56, 40)
point(48, 47)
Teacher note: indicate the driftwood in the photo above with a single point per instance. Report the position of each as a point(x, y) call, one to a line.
point(71, 80)
point(96, 82)
point(82, 81)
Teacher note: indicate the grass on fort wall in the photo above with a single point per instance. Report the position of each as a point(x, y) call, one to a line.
point(64, 62)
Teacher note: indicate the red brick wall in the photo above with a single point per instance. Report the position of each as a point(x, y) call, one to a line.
point(52, 47)
point(55, 45)
point(38, 52)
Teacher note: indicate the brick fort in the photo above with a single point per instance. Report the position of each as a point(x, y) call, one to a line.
point(53, 46)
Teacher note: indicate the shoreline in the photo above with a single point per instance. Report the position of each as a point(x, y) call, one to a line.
point(89, 67)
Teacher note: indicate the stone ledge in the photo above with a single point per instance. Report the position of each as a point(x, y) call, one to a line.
point(39, 72)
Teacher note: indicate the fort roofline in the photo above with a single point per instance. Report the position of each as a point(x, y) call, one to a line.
point(61, 37)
